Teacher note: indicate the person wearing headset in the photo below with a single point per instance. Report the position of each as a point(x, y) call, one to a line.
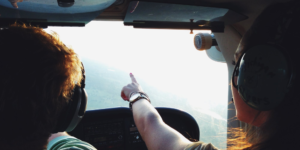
point(265, 88)
point(42, 91)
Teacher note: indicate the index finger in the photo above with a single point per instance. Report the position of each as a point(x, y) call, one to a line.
point(133, 78)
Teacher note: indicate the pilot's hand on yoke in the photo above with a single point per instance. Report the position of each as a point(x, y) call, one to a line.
point(129, 89)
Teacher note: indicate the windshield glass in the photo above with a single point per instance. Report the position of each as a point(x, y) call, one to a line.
point(166, 64)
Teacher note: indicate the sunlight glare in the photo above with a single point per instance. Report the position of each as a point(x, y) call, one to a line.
point(153, 55)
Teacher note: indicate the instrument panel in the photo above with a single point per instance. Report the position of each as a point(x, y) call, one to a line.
point(114, 129)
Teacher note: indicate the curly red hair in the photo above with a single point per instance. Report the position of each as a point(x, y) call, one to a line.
point(38, 74)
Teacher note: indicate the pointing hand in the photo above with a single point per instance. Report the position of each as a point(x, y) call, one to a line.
point(14, 2)
point(130, 88)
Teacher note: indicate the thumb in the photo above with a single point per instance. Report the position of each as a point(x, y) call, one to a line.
point(124, 96)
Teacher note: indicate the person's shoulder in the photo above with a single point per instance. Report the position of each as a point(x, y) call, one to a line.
point(69, 143)
point(200, 146)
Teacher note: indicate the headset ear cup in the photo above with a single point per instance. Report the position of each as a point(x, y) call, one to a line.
point(264, 75)
point(66, 116)
point(72, 115)
point(74, 111)
point(79, 108)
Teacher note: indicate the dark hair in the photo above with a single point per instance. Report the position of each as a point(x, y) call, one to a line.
point(281, 130)
point(38, 73)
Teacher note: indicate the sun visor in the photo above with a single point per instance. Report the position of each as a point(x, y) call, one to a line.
point(141, 14)
point(51, 12)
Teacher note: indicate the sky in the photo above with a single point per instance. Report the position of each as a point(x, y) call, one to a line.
point(166, 59)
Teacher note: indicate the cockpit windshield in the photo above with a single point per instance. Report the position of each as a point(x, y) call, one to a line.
point(166, 64)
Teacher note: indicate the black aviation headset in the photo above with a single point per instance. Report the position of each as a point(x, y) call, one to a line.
point(72, 114)
point(266, 72)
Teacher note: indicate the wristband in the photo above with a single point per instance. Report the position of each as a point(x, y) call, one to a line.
point(131, 103)
point(138, 92)
point(137, 96)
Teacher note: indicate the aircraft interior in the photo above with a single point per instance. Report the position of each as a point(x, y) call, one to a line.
point(174, 47)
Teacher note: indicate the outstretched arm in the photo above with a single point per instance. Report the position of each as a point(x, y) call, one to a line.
point(156, 134)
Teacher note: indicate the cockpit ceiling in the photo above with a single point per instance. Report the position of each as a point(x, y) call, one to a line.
point(51, 12)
